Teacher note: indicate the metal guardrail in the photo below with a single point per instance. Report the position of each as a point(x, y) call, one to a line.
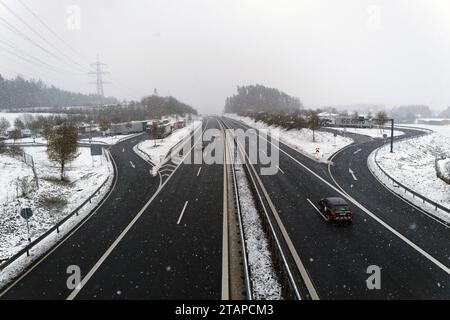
point(414, 193)
point(56, 227)
point(280, 253)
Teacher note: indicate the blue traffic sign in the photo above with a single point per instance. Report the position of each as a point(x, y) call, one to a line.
point(26, 213)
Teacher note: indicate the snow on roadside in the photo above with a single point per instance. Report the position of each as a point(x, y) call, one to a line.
point(302, 140)
point(52, 202)
point(444, 167)
point(443, 130)
point(413, 165)
point(18, 266)
point(29, 140)
point(111, 140)
point(265, 284)
point(370, 132)
point(11, 117)
point(158, 153)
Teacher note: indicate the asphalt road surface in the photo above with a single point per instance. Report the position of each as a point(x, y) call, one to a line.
point(165, 254)
point(414, 263)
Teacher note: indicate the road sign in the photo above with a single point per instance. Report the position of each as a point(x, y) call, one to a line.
point(384, 135)
point(26, 213)
point(96, 150)
point(317, 150)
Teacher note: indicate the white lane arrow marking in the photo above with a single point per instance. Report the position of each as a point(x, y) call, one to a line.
point(132, 165)
point(357, 151)
point(353, 174)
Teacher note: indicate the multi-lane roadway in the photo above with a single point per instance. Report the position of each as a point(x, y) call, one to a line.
point(164, 237)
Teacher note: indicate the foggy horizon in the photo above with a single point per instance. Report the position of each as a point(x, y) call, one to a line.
point(323, 52)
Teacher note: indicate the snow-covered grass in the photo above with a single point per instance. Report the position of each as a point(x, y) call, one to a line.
point(444, 167)
point(370, 132)
point(441, 130)
point(111, 140)
point(13, 270)
point(10, 170)
point(413, 165)
point(29, 140)
point(302, 140)
point(157, 150)
point(51, 202)
point(11, 117)
point(265, 283)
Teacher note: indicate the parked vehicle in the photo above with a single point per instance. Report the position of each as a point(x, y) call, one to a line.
point(128, 127)
point(159, 129)
point(336, 209)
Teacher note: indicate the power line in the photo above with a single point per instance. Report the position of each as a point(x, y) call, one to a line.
point(39, 35)
point(37, 60)
point(53, 32)
point(14, 29)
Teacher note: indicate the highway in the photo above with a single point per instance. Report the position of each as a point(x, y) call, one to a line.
point(164, 237)
point(164, 255)
point(174, 250)
point(337, 257)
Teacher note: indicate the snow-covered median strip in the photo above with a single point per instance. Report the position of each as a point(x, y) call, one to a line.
point(413, 165)
point(156, 151)
point(265, 284)
point(302, 140)
point(54, 201)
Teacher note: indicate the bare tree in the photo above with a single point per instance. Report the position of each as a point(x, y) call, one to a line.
point(63, 144)
point(380, 119)
point(15, 135)
point(18, 124)
point(4, 125)
point(154, 130)
point(314, 123)
point(104, 124)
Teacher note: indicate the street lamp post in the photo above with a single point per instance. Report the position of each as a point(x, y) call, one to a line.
point(392, 135)
point(392, 130)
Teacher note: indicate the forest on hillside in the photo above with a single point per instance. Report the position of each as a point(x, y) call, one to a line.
point(258, 98)
point(151, 107)
point(19, 93)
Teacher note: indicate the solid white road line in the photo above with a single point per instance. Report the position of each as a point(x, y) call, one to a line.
point(182, 212)
point(386, 187)
point(317, 209)
point(132, 165)
point(278, 167)
point(353, 174)
point(199, 170)
point(357, 151)
point(225, 294)
point(369, 213)
point(406, 201)
point(102, 259)
point(86, 219)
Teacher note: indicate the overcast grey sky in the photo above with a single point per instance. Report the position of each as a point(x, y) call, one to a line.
point(326, 52)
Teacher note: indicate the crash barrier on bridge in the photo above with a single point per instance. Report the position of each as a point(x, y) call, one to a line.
point(405, 188)
point(57, 227)
point(439, 173)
